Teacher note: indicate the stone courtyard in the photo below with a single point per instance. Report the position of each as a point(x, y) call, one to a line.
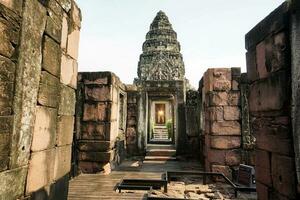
point(75, 135)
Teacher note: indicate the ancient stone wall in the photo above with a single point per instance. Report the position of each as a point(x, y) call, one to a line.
point(222, 114)
point(132, 121)
point(38, 68)
point(100, 124)
point(270, 104)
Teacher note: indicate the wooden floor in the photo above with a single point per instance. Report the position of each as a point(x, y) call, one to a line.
point(99, 186)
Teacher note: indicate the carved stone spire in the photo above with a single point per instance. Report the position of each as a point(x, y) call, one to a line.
point(161, 58)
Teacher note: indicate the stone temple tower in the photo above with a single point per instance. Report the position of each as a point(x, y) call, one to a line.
point(161, 58)
point(161, 85)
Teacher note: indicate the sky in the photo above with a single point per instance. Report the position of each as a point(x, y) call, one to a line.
point(211, 32)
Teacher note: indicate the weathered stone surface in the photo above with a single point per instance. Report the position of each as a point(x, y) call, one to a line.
point(73, 43)
point(261, 60)
point(64, 32)
point(6, 97)
point(231, 113)
point(12, 183)
point(66, 5)
point(103, 157)
point(221, 142)
point(103, 93)
point(54, 26)
point(252, 73)
point(233, 158)
point(40, 171)
point(91, 167)
point(263, 167)
point(75, 15)
point(215, 156)
point(262, 191)
point(226, 128)
point(67, 100)
point(222, 73)
point(131, 135)
point(68, 71)
point(95, 146)
point(95, 131)
point(51, 56)
point(234, 98)
point(4, 150)
point(283, 175)
point(44, 134)
point(218, 98)
point(27, 80)
point(222, 169)
point(6, 47)
point(235, 85)
point(96, 112)
point(222, 85)
point(48, 90)
point(54, 6)
point(62, 163)
point(65, 128)
point(7, 70)
point(269, 94)
point(215, 113)
point(14, 5)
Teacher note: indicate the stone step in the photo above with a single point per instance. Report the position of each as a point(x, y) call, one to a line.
point(161, 152)
point(160, 146)
point(160, 158)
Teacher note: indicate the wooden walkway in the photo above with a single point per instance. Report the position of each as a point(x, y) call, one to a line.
point(101, 187)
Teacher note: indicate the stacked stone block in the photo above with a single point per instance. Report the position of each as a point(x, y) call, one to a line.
point(222, 120)
point(269, 73)
point(39, 96)
point(132, 121)
point(98, 132)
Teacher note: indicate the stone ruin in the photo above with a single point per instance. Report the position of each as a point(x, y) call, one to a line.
point(56, 123)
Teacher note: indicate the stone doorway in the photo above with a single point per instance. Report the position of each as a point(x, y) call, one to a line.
point(161, 122)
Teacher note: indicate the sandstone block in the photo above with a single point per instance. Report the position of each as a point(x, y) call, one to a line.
point(67, 100)
point(68, 71)
point(283, 175)
point(114, 130)
point(252, 73)
point(218, 98)
point(95, 146)
point(95, 131)
point(7, 70)
point(226, 128)
point(98, 93)
point(91, 167)
point(76, 15)
point(102, 157)
point(222, 169)
point(269, 94)
point(4, 151)
point(12, 183)
point(51, 56)
point(216, 156)
point(231, 113)
point(235, 85)
point(48, 90)
point(40, 171)
point(215, 113)
point(65, 128)
point(262, 191)
point(131, 136)
point(64, 32)
point(222, 85)
point(222, 73)
point(14, 5)
point(62, 163)
point(54, 6)
point(95, 112)
point(261, 60)
point(234, 98)
point(233, 158)
point(44, 134)
point(27, 83)
point(225, 142)
point(263, 167)
point(6, 97)
point(66, 5)
point(97, 81)
point(73, 43)
point(6, 47)
point(54, 26)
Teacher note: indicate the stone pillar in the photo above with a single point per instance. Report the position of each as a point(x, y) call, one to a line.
point(41, 38)
point(222, 120)
point(270, 104)
point(98, 130)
